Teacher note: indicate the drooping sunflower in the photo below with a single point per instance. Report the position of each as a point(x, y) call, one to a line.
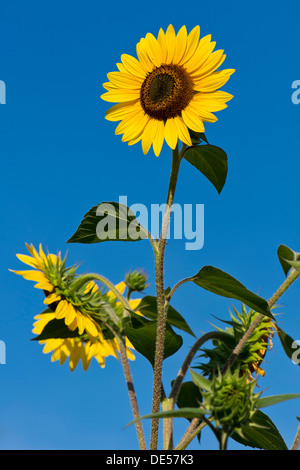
point(81, 336)
point(172, 87)
point(54, 279)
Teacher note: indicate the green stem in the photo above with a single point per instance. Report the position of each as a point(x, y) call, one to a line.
point(131, 392)
point(112, 288)
point(184, 368)
point(190, 433)
point(280, 291)
point(160, 293)
point(180, 283)
point(177, 385)
point(296, 442)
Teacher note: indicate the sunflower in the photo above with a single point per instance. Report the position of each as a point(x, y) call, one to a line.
point(78, 347)
point(55, 280)
point(172, 87)
point(72, 314)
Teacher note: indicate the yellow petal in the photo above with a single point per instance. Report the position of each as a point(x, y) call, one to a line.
point(122, 110)
point(141, 49)
point(163, 45)
point(204, 49)
point(171, 43)
point(181, 43)
point(43, 320)
point(61, 309)
point(133, 125)
point(159, 138)
point(202, 113)
point(212, 102)
point(192, 121)
point(70, 314)
point(133, 66)
point(153, 49)
point(120, 95)
point(171, 133)
point(183, 133)
point(134, 303)
point(29, 260)
point(37, 276)
point(214, 81)
point(192, 43)
point(123, 80)
point(52, 298)
point(149, 135)
point(214, 61)
point(44, 285)
point(90, 327)
point(80, 322)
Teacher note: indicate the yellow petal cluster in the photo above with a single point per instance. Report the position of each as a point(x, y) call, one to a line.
point(172, 86)
point(61, 308)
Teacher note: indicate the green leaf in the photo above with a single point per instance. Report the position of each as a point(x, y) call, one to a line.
point(56, 329)
point(142, 334)
point(211, 161)
point(188, 413)
point(274, 399)
point(294, 264)
point(200, 381)
point(261, 434)
point(221, 283)
point(109, 221)
point(285, 255)
point(289, 345)
point(148, 307)
point(197, 137)
point(189, 395)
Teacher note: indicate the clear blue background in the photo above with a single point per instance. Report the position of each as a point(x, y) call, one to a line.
point(59, 157)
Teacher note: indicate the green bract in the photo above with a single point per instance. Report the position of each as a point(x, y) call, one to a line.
point(251, 357)
point(231, 400)
point(136, 281)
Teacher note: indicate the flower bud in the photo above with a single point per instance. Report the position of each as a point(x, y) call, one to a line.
point(231, 400)
point(136, 281)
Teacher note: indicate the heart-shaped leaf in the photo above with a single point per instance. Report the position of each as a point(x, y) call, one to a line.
point(109, 221)
point(148, 308)
point(211, 161)
point(142, 334)
point(285, 256)
point(221, 283)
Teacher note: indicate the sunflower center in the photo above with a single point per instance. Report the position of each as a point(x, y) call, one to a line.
point(166, 91)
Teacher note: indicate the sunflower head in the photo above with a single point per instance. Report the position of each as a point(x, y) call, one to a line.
point(81, 320)
point(250, 359)
point(63, 343)
point(172, 88)
point(231, 400)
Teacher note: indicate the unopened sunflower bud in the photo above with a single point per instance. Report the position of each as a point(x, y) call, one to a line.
point(136, 281)
point(231, 400)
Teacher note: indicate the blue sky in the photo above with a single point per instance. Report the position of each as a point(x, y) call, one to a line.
point(60, 157)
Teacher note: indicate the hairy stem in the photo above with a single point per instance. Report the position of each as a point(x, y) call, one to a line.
point(296, 442)
point(160, 292)
point(131, 392)
point(184, 368)
point(191, 432)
